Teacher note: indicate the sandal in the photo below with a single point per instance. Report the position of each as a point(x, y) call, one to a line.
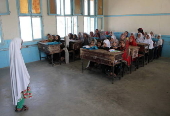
point(24, 108)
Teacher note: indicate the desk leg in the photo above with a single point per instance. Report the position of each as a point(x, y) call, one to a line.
point(52, 60)
point(113, 68)
point(40, 54)
point(82, 65)
point(60, 58)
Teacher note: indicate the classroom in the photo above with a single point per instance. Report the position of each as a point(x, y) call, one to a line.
point(84, 57)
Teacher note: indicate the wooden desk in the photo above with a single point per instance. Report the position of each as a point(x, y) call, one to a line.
point(144, 48)
point(75, 44)
point(49, 50)
point(134, 51)
point(101, 56)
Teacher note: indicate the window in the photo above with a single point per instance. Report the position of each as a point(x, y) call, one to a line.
point(100, 23)
point(4, 7)
point(59, 7)
point(92, 7)
point(100, 7)
point(30, 20)
point(66, 25)
point(67, 7)
point(89, 24)
point(77, 7)
point(85, 7)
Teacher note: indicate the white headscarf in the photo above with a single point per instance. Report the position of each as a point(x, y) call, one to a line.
point(159, 43)
point(141, 39)
point(107, 42)
point(149, 41)
point(20, 78)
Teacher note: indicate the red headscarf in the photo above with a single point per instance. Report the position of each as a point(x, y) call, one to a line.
point(126, 55)
point(107, 33)
point(133, 43)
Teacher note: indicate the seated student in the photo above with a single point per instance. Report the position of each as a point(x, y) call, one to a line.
point(92, 43)
point(49, 37)
point(56, 39)
point(140, 30)
point(145, 35)
point(152, 34)
point(106, 44)
point(86, 40)
point(159, 44)
point(99, 44)
point(70, 35)
point(123, 38)
point(102, 35)
point(75, 37)
point(126, 33)
point(112, 34)
point(133, 34)
point(125, 48)
point(132, 41)
point(149, 41)
point(113, 39)
point(97, 34)
point(91, 34)
point(139, 38)
point(114, 45)
point(80, 36)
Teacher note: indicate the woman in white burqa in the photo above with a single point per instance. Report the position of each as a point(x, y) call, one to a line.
point(20, 78)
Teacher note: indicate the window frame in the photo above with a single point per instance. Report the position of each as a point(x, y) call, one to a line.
point(71, 8)
point(7, 6)
point(90, 23)
point(72, 23)
point(82, 7)
point(30, 14)
point(97, 8)
point(102, 22)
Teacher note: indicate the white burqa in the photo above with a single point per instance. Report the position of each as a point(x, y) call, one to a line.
point(20, 77)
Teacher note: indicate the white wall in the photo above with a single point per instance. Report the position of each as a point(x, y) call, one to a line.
point(158, 24)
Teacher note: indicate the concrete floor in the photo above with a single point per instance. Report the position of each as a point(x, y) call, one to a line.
point(65, 91)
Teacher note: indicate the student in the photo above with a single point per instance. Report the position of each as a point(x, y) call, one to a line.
point(140, 30)
point(75, 37)
point(113, 39)
point(20, 78)
point(125, 48)
point(80, 36)
point(70, 35)
point(152, 34)
point(91, 34)
point(145, 35)
point(159, 44)
point(102, 35)
point(106, 44)
point(139, 38)
point(97, 34)
point(132, 41)
point(114, 45)
point(149, 41)
point(56, 39)
point(126, 33)
point(86, 39)
point(92, 43)
point(99, 44)
point(49, 37)
point(133, 34)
